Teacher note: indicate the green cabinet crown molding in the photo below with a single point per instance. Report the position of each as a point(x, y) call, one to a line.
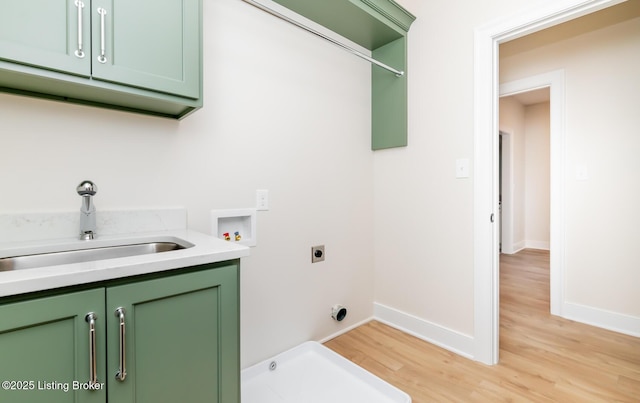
point(380, 26)
point(392, 11)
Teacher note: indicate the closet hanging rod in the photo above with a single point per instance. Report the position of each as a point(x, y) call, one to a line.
point(349, 49)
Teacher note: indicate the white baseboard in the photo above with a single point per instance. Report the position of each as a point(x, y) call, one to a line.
point(616, 322)
point(440, 336)
point(544, 245)
point(528, 244)
point(345, 330)
point(463, 344)
point(518, 246)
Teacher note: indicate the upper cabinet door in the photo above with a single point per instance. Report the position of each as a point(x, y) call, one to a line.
point(148, 44)
point(49, 34)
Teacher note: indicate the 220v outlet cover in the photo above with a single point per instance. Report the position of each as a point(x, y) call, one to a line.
point(317, 254)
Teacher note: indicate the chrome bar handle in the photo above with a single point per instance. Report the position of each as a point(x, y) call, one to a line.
point(122, 370)
point(93, 372)
point(79, 52)
point(101, 57)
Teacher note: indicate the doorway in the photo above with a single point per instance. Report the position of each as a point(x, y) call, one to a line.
point(548, 87)
point(524, 170)
point(486, 263)
point(524, 198)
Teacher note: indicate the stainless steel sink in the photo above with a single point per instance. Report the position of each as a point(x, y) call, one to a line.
point(89, 254)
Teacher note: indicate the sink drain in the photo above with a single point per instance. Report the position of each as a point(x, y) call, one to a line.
point(273, 365)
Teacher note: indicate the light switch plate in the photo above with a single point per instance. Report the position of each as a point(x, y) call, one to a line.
point(462, 168)
point(582, 173)
point(262, 199)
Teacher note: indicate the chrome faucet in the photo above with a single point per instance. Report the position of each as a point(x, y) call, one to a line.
point(87, 190)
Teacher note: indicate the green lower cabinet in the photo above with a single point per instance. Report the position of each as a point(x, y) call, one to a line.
point(45, 351)
point(180, 344)
point(181, 339)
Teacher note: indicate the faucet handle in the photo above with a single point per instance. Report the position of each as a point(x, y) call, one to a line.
point(87, 188)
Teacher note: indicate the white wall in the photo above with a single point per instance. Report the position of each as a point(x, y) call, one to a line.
point(284, 111)
point(537, 179)
point(602, 87)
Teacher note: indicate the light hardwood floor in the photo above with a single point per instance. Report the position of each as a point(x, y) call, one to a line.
point(543, 358)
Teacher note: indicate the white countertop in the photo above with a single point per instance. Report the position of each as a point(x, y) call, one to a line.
point(206, 249)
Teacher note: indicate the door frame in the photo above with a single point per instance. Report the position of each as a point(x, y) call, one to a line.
point(487, 39)
point(506, 216)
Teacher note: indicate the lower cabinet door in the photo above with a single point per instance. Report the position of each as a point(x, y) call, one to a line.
point(46, 352)
point(181, 339)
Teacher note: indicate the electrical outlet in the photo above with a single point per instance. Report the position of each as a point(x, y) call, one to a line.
point(262, 200)
point(317, 254)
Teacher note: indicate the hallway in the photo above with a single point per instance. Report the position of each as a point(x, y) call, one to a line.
point(543, 358)
point(579, 361)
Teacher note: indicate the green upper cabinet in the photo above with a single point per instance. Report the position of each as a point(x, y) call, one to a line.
point(47, 34)
point(148, 44)
point(142, 56)
point(380, 26)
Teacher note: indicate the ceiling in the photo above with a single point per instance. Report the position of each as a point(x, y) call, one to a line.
point(601, 19)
